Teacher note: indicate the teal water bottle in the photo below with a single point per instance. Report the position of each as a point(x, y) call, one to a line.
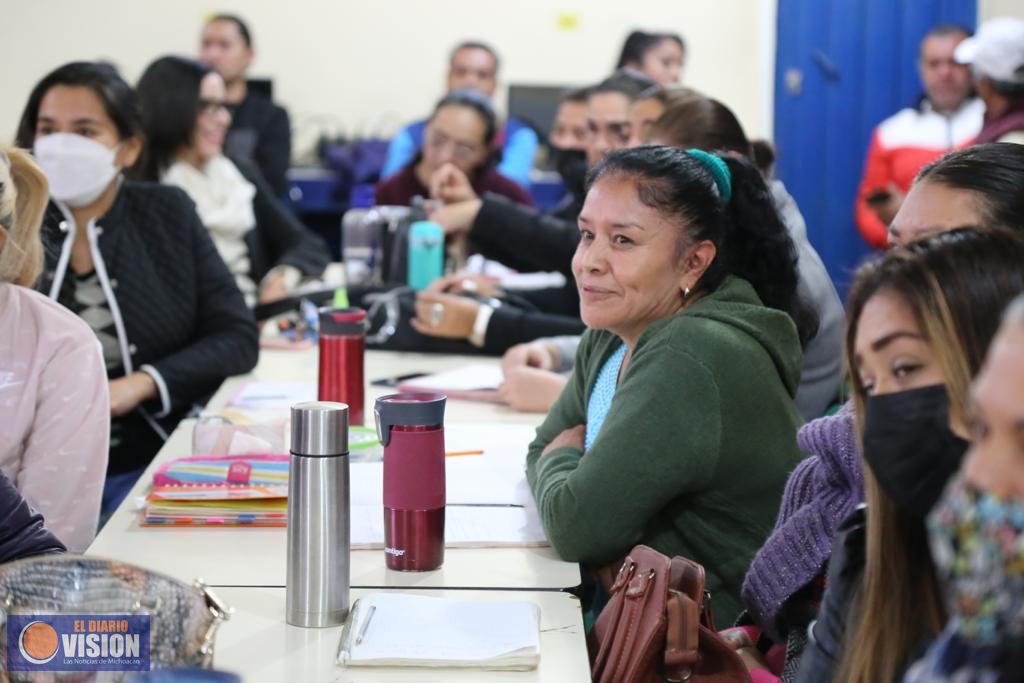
point(426, 254)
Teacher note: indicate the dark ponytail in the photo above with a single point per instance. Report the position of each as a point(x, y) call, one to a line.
point(749, 235)
point(759, 248)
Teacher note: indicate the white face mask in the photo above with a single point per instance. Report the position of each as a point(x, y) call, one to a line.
point(79, 169)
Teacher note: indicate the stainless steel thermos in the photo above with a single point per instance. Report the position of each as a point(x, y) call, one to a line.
point(319, 542)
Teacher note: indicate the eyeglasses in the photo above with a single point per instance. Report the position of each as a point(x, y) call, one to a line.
point(207, 106)
point(460, 150)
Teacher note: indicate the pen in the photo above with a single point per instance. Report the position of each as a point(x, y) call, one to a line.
point(366, 625)
point(485, 505)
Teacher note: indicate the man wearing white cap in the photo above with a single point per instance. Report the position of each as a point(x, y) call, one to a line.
point(996, 56)
point(946, 118)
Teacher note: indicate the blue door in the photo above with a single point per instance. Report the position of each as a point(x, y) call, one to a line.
point(842, 66)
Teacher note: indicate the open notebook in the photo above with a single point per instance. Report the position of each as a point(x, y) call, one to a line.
point(396, 629)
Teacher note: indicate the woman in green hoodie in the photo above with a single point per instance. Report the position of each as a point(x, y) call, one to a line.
point(678, 427)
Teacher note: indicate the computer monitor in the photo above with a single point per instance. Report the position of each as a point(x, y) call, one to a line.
point(536, 105)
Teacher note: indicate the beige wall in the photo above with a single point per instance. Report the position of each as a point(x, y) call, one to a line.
point(365, 66)
point(1000, 8)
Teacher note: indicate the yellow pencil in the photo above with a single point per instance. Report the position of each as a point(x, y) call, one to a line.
point(452, 454)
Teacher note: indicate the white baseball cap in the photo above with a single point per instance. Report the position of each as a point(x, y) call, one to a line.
point(996, 50)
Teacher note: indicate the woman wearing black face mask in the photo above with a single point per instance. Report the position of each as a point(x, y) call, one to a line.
point(568, 145)
point(977, 530)
point(920, 322)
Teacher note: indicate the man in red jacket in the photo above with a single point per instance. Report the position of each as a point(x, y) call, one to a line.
point(948, 117)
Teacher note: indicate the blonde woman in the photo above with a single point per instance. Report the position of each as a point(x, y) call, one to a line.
point(920, 322)
point(53, 385)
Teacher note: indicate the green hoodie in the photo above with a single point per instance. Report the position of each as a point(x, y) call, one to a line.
point(696, 448)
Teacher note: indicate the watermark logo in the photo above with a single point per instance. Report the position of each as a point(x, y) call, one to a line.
point(78, 642)
point(38, 642)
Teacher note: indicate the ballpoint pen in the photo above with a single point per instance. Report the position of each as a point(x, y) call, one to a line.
point(366, 625)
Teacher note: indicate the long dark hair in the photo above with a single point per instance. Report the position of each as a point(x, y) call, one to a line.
point(957, 284)
point(169, 99)
point(638, 43)
point(751, 241)
point(117, 97)
point(994, 172)
point(704, 123)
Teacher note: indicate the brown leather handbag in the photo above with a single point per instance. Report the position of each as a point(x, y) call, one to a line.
point(657, 626)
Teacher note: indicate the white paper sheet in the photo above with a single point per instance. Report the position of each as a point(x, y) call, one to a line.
point(413, 630)
point(472, 377)
point(264, 395)
point(495, 477)
point(465, 527)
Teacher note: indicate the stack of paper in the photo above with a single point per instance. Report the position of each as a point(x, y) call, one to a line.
point(217, 505)
point(394, 629)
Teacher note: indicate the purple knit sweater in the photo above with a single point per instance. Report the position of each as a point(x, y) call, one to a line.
point(820, 493)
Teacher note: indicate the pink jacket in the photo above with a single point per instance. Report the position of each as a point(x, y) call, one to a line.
point(55, 431)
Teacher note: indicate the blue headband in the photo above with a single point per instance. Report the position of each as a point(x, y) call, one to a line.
point(719, 172)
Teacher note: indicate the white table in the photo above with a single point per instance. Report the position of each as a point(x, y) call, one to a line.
point(258, 644)
point(256, 556)
point(301, 366)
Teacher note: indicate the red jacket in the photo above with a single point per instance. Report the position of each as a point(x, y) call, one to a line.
point(901, 145)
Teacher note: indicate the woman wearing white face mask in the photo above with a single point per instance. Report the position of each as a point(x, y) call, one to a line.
point(133, 261)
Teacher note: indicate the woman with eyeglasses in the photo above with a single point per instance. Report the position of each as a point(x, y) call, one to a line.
point(185, 120)
point(133, 261)
point(461, 134)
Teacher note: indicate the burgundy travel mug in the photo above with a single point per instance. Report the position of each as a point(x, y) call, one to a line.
point(342, 348)
point(411, 428)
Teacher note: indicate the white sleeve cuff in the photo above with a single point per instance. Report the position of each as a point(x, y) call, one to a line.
point(479, 334)
point(161, 386)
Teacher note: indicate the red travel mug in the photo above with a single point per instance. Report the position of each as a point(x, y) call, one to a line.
point(342, 350)
point(411, 428)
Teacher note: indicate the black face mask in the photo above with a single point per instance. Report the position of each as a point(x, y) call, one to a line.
point(571, 164)
point(910, 447)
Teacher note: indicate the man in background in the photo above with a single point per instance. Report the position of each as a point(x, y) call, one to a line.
point(996, 57)
point(473, 65)
point(948, 117)
point(568, 145)
point(260, 130)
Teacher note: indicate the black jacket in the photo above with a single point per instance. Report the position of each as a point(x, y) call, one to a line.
point(827, 635)
point(260, 132)
point(279, 238)
point(183, 317)
point(502, 229)
point(21, 528)
point(511, 325)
